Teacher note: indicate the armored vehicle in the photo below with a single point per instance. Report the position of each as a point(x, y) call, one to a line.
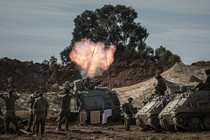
point(188, 111)
point(94, 98)
point(147, 117)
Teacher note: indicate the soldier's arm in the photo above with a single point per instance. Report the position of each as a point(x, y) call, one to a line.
point(31, 100)
point(131, 108)
point(17, 96)
point(47, 104)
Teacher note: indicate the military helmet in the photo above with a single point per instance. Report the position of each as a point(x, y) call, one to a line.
point(36, 93)
point(66, 85)
point(10, 91)
point(40, 94)
point(158, 76)
point(130, 99)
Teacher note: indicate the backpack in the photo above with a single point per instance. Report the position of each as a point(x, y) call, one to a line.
point(126, 109)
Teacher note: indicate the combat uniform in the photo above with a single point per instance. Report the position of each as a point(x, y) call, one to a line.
point(160, 87)
point(206, 83)
point(31, 115)
point(65, 110)
point(129, 111)
point(40, 112)
point(10, 115)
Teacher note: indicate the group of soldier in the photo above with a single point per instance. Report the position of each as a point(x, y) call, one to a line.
point(39, 107)
point(38, 112)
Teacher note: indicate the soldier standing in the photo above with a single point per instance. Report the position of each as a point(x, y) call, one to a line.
point(10, 115)
point(65, 109)
point(31, 115)
point(40, 113)
point(206, 83)
point(160, 87)
point(129, 111)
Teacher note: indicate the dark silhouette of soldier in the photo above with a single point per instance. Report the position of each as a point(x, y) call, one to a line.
point(10, 115)
point(206, 83)
point(31, 115)
point(160, 87)
point(40, 112)
point(65, 109)
point(128, 112)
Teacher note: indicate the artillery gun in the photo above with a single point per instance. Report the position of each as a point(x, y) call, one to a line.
point(94, 98)
point(188, 111)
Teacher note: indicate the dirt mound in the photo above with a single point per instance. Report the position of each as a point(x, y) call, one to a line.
point(28, 76)
point(201, 63)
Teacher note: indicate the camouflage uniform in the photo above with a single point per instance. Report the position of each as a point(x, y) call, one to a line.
point(10, 114)
point(40, 113)
point(206, 83)
point(128, 110)
point(65, 110)
point(31, 115)
point(160, 87)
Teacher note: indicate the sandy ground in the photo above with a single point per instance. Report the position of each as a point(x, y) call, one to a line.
point(109, 132)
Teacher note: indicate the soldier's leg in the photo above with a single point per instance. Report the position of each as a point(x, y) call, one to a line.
point(67, 115)
point(34, 124)
point(15, 121)
point(7, 122)
point(129, 123)
point(37, 129)
point(42, 127)
point(30, 121)
point(60, 120)
point(37, 122)
point(126, 122)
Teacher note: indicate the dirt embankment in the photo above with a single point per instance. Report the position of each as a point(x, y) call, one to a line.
point(29, 76)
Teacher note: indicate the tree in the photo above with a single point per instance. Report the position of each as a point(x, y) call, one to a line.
point(53, 60)
point(46, 62)
point(111, 25)
point(165, 57)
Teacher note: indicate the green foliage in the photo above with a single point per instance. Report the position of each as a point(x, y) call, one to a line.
point(115, 25)
point(46, 62)
point(165, 57)
point(111, 25)
point(53, 60)
point(65, 56)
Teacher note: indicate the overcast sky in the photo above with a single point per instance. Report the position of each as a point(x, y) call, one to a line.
point(34, 30)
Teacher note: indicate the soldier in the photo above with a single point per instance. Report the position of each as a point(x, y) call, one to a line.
point(65, 109)
point(10, 114)
point(31, 115)
point(40, 113)
point(160, 87)
point(129, 111)
point(206, 83)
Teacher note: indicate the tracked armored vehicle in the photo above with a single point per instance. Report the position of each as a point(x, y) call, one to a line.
point(147, 117)
point(188, 111)
point(94, 98)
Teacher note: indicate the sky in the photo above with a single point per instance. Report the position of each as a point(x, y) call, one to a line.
point(34, 30)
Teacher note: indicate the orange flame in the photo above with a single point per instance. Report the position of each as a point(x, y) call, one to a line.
point(93, 58)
